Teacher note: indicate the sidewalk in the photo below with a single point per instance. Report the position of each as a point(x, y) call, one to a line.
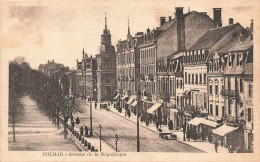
point(95, 140)
point(201, 145)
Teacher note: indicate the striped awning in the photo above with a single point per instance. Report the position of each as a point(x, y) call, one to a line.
point(116, 96)
point(124, 97)
point(153, 108)
point(134, 103)
point(130, 100)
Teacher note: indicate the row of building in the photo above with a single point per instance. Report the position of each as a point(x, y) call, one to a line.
point(190, 71)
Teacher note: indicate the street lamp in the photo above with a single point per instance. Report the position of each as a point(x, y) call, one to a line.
point(138, 100)
point(100, 128)
point(91, 96)
point(116, 139)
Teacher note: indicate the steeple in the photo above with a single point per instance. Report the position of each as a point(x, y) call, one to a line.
point(128, 34)
point(83, 53)
point(105, 21)
point(106, 37)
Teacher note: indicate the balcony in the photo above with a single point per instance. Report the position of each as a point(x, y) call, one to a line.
point(230, 93)
point(164, 95)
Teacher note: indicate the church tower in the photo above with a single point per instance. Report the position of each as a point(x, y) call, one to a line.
point(106, 72)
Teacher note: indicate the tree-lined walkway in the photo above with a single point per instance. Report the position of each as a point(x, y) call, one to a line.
point(35, 132)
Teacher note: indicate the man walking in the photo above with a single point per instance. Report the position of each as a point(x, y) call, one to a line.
point(95, 104)
point(216, 146)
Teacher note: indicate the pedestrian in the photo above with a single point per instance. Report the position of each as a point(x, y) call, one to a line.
point(108, 104)
point(86, 131)
point(157, 125)
point(95, 104)
point(77, 121)
point(72, 125)
point(216, 146)
point(81, 130)
point(147, 122)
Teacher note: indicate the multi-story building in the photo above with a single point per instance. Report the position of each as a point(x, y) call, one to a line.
point(195, 67)
point(128, 69)
point(238, 92)
point(170, 38)
point(49, 68)
point(106, 70)
point(86, 74)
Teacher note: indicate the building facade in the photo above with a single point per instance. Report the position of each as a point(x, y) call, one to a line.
point(171, 38)
point(106, 68)
point(128, 70)
point(86, 74)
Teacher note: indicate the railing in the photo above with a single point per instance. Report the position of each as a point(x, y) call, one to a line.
point(229, 93)
point(164, 95)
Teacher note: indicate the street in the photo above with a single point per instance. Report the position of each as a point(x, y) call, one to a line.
point(126, 130)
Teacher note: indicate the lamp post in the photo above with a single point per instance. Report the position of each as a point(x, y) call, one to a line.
point(116, 139)
point(91, 96)
point(137, 122)
point(100, 128)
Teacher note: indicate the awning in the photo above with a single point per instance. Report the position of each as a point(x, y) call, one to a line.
point(124, 97)
point(130, 100)
point(134, 103)
point(116, 96)
point(174, 110)
point(196, 121)
point(223, 130)
point(153, 108)
point(209, 123)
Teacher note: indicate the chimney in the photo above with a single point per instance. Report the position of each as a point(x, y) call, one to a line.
point(240, 37)
point(180, 28)
point(48, 61)
point(179, 12)
point(231, 21)
point(148, 31)
point(217, 16)
point(170, 18)
point(162, 20)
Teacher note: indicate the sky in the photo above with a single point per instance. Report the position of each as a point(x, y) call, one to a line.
point(48, 30)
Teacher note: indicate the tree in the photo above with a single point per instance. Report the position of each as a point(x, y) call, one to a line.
point(18, 70)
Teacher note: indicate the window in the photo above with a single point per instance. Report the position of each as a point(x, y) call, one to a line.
point(210, 89)
point(241, 85)
point(189, 79)
point(229, 84)
point(192, 78)
point(205, 100)
point(177, 100)
point(216, 90)
point(223, 111)
point(250, 89)
point(196, 79)
point(200, 78)
point(177, 83)
point(249, 114)
point(210, 111)
point(185, 77)
point(180, 84)
point(205, 78)
point(229, 107)
point(216, 110)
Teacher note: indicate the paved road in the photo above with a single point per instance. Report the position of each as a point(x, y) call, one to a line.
point(113, 124)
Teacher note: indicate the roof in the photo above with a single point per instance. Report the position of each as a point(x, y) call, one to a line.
point(166, 25)
point(242, 46)
point(248, 69)
point(211, 37)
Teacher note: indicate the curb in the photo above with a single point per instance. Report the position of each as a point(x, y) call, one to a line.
point(156, 132)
